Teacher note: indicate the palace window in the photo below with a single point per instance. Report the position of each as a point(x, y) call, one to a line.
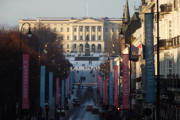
point(75, 37)
point(75, 29)
point(99, 28)
point(93, 38)
point(99, 37)
point(67, 29)
point(68, 37)
point(61, 29)
point(81, 28)
point(93, 28)
point(81, 37)
point(87, 28)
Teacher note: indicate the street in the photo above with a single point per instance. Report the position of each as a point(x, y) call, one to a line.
point(87, 96)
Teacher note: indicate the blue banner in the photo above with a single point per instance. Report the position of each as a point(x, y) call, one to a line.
point(149, 57)
point(111, 88)
point(62, 92)
point(42, 87)
point(71, 80)
point(50, 88)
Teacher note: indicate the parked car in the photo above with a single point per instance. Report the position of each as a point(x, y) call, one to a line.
point(76, 102)
point(89, 107)
point(95, 110)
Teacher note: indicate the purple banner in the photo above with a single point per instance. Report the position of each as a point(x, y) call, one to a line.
point(125, 81)
point(25, 82)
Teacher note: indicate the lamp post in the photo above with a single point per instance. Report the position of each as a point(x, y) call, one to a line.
point(29, 34)
point(158, 69)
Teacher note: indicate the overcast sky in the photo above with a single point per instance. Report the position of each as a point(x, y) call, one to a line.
point(13, 10)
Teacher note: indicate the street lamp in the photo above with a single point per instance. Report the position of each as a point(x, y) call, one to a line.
point(29, 34)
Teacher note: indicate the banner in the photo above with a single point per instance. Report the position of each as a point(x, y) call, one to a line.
point(57, 91)
point(101, 91)
point(149, 57)
point(25, 82)
point(106, 91)
point(111, 88)
point(62, 92)
point(125, 81)
point(99, 84)
point(116, 88)
point(50, 88)
point(42, 87)
point(68, 87)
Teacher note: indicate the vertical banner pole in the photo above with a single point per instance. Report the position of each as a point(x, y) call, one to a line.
point(57, 92)
point(149, 57)
point(50, 88)
point(42, 87)
point(25, 82)
point(116, 78)
point(110, 88)
point(62, 92)
point(125, 81)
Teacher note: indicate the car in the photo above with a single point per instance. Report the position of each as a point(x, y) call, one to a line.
point(95, 110)
point(76, 102)
point(89, 107)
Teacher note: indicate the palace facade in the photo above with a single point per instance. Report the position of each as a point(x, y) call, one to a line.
point(78, 34)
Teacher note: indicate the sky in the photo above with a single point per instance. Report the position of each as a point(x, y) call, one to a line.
point(13, 10)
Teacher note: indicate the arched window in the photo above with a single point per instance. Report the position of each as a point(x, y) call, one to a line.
point(74, 47)
point(81, 48)
point(99, 48)
point(93, 48)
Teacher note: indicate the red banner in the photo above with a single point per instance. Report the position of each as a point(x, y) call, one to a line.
point(57, 91)
point(69, 91)
point(125, 81)
point(105, 91)
point(116, 78)
point(25, 82)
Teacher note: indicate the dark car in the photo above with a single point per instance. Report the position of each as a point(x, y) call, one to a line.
point(89, 107)
point(76, 102)
point(95, 110)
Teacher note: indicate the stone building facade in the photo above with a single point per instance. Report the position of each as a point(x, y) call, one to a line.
point(77, 33)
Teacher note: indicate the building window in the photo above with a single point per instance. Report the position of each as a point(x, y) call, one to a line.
point(93, 28)
point(112, 29)
point(81, 37)
point(81, 28)
point(67, 29)
point(67, 37)
point(61, 37)
point(99, 37)
point(87, 28)
point(54, 29)
point(61, 29)
point(93, 38)
point(93, 48)
point(81, 48)
point(99, 47)
point(67, 46)
point(99, 28)
point(87, 37)
point(75, 37)
point(75, 29)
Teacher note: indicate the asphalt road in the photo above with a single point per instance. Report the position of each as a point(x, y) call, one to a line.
point(87, 95)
